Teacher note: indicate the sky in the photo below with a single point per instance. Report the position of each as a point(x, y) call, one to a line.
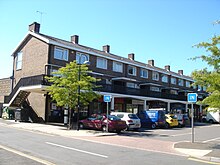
point(162, 30)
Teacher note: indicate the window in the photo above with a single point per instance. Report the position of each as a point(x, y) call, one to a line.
point(19, 61)
point(204, 88)
point(117, 67)
point(53, 73)
point(174, 92)
point(155, 76)
point(131, 70)
point(101, 63)
point(187, 84)
point(199, 88)
point(81, 58)
point(144, 73)
point(132, 85)
point(61, 54)
point(156, 89)
point(180, 82)
point(173, 80)
point(164, 78)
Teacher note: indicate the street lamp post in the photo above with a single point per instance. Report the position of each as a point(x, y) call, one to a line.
point(79, 72)
point(78, 99)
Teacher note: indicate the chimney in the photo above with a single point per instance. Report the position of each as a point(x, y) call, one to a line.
point(75, 39)
point(180, 72)
point(151, 62)
point(167, 67)
point(106, 48)
point(34, 27)
point(131, 56)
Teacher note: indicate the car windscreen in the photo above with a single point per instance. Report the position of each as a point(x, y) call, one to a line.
point(132, 116)
point(173, 116)
point(112, 117)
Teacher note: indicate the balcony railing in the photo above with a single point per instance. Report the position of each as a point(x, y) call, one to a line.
point(138, 92)
point(26, 81)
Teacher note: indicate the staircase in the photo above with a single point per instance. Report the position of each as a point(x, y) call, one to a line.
point(31, 113)
point(18, 97)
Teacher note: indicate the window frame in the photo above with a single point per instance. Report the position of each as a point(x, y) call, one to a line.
point(115, 68)
point(164, 75)
point(172, 80)
point(64, 57)
point(142, 73)
point(81, 56)
point(155, 76)
point(105, 64)
point(180, 82)
point(188, 84)
point(19, 60)
point(134, 70)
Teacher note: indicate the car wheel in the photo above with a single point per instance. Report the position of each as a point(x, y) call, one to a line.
point(81, 126)
point(153, 126)
point(118, 131)
point(104, 128)
point(167, 125)
point(204, 120)
point(127, 129)
point(211, 121)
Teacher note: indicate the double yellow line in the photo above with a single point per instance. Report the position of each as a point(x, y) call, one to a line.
point(203, 161)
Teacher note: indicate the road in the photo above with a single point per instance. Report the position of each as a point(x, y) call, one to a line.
point(203, 133)
point(19, 146)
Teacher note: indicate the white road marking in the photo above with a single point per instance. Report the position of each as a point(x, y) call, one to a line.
point(27, 156)
point(78, 150)
point(215, 139)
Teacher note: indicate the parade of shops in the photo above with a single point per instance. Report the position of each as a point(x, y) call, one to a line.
point(133, 86)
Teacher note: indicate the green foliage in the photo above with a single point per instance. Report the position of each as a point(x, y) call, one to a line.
point(210, 79)
point(64, 88)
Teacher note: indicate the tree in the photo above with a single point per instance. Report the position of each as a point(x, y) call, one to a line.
point(66, 87)
point(210, 79)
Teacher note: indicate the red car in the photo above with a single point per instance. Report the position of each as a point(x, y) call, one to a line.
point(99, 122)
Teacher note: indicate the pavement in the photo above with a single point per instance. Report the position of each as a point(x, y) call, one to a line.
point(203, 151)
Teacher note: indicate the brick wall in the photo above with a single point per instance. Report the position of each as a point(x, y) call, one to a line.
point(34, 58)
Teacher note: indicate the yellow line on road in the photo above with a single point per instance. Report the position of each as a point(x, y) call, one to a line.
point(27, 156)
point(203, 161)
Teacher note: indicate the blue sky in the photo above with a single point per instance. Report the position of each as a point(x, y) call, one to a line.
point(163, 30)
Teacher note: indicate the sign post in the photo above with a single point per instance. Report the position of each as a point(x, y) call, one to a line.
point(107, 99)
point(192, 98)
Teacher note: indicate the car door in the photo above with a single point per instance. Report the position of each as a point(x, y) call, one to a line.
point(97, 123)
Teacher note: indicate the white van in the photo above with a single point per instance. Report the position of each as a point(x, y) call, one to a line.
point(132, 120)
point(213, 115)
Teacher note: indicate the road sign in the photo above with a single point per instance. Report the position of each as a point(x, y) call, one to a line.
point(107, 98)
point(192, 97)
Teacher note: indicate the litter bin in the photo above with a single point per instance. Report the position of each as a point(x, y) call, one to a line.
point(18, 115)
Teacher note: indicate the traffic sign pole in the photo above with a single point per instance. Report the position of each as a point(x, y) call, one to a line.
point(107, 118)
point(192, 123)
point(192, 98)
point(107, 99)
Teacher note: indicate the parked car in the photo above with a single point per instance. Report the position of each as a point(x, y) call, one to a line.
point(152, 118)
point(132, 120)
point(171, 121)
point(183, 119)
point(99, 122)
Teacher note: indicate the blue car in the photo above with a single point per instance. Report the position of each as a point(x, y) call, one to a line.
point(152, 118)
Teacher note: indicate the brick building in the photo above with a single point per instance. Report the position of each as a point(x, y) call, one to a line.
point(133, 85)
